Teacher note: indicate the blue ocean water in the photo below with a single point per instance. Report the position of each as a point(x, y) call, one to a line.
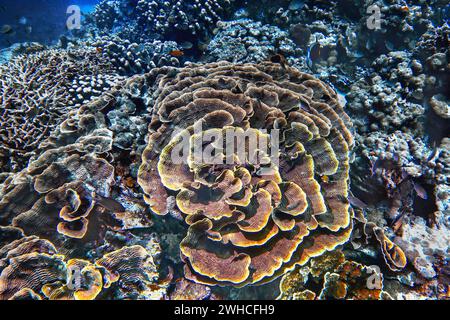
point(86, 5)
point(36, 20)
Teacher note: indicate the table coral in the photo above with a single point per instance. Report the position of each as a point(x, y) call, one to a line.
point(247, 224)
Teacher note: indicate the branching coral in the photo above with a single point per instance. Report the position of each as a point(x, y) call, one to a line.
point(249, 221)
point(37, 91)
point(130, 58)
point(58, 193)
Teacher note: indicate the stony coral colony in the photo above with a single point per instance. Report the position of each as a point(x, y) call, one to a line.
point(92, 205)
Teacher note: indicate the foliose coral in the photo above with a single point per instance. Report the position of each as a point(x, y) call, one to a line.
point(33, 268)
point(144, 19)
point(249, 221)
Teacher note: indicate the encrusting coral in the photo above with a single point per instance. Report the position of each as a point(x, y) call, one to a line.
point(337, 279)
point(249, 221)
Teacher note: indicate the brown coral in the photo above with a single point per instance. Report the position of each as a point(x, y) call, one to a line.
point(29, 263)
point(32, 268)
point(249, 220)
point(336, 277)
point(133, 270)
point(57, 194)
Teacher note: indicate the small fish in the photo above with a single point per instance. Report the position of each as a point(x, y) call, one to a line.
point(23, 20)
point(435, 153)
point(129, 182)
point(186, 45)
point(176, 53)
point(421, 192)
point(313, 53)
point(6, 29)
point(325, 179)
point(397, 225)
point(356, 202)
point(109, 204)
point(404, 9)
point(28, 29)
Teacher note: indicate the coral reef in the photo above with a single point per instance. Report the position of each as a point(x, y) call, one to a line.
point(397, 93)
point(227, 118)
point(38, 90)
point(337, 279)
point(144, 20)
point(256, 215)
point(245, 40)
point(130, 58)
point(32, 269)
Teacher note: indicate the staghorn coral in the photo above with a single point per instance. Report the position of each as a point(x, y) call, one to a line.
point(36, 93)
point(249, 221)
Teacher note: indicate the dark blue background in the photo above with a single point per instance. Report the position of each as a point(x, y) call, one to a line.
point(47, 19)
